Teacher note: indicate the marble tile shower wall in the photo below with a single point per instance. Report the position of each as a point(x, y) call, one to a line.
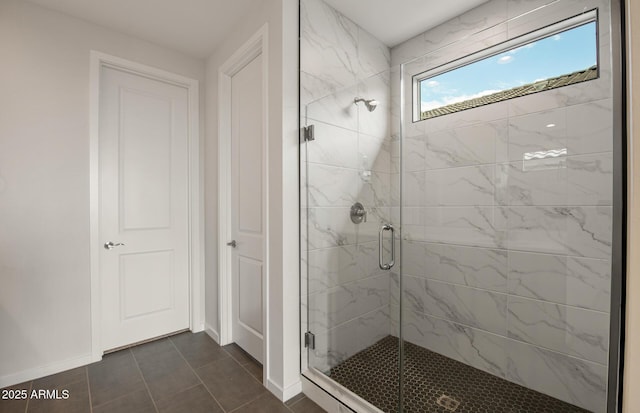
point(348, 162)
point(506, 261)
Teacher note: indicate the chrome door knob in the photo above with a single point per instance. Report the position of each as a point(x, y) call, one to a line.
point(232, 244)
point(110, 245)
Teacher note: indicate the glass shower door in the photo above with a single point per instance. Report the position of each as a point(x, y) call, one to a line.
point(348, 228)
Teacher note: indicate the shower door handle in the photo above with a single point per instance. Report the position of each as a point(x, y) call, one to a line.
point(387, 266)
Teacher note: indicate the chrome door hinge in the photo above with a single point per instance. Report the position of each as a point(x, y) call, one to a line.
point(308, 133)
point(310, 340)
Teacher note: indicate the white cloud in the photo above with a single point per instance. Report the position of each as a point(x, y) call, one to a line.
point(432, 104)
point(505, 59)
point(433, 83)
point(557, 37)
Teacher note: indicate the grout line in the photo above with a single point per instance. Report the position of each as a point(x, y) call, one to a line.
point(143, 380)
point(509, 294)
point(231, 355)
point(86, 373)
point(247, 370)
point(366, 314)
point(293, 404)
point(506, 337)
point(250, 401)
point(254, 378)
point(26, 406)
point(197, 375)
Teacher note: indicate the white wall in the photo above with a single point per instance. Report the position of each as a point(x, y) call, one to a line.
point(44, 183)
point(283, 353)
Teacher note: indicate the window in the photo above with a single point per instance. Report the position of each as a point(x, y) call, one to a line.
point(559, 55)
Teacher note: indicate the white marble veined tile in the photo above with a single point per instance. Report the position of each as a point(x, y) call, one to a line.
point(414, 258)
point(573, 380)
point(475, 267)
point(589, 281)
point(339, 343)
point(569, 330)
point(374, 153)
point(394, 324)
point(367, 259)
point(330, 186)
point(540, 276)
point(328, 309)
point(579, 231)
point(329, 227)
point(374, 189)
point(562, 97)
point(373, 55)
point(589, 231)
point(471, 145)
point(515, 8)
point(471, 346)
point(413, 153)
point(333, 146)
point(460, 27)
point(479, 41)
point(478, 226)
point(395, 155)
point(373, 326)
point(394, 292)
point(413, 187)
point(376, 122)
point(328, 45)
point(480, 117)
point(542, 131)
point(469, 306)
point(335, 109)
point(521, 183)
point(590, 179)
point(466, 186)
point(413, 223)
point(590, 127)
point(538, 229)
point(329, 267)
point(530, 15)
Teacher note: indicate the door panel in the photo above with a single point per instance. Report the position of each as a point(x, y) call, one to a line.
point(145, 129)
point(144, 206)
point(247, 206)
point(250, 302)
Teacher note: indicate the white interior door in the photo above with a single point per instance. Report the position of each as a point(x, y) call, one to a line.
point(144, 282)
point(247, 215)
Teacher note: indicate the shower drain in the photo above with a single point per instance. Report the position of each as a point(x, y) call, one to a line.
point(448, 403)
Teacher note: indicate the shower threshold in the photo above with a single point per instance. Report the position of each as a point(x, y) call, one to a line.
point(436, 384)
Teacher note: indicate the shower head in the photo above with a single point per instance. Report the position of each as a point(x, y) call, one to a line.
point(370, 104)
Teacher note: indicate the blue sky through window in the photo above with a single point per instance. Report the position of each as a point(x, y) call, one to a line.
point(559, 54)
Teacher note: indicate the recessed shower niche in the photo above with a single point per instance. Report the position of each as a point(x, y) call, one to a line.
point(478, 149)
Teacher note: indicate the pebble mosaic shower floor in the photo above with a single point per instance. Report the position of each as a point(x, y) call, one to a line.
point(436, 384)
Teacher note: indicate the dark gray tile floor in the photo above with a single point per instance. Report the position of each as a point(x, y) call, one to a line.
point(187, 373)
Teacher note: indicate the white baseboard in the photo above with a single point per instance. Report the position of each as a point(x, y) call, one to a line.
point(286, 393)
point(46, 370)
point(212, 333)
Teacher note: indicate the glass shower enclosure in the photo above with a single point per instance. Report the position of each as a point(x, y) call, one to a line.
point(460, 194)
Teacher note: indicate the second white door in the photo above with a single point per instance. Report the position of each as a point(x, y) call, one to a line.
point(247, 215)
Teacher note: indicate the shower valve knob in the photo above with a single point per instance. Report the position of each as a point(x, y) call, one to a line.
point(358, 213)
